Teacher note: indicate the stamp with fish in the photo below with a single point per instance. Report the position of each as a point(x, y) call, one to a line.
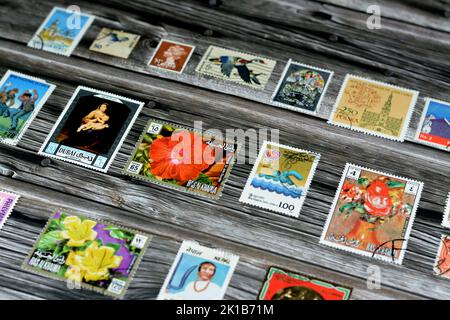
point(198, 273)
point(434, 126)
point(171, 56)
point(372, 214)
point(87, 253)
point(91, 128)
point(280, 284)
point(446, 218)
point(7, 202)
point(238, 67)
point(374, 107)
point(115, 43)
point(280, 178)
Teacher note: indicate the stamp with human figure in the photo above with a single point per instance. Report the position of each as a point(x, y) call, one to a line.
point(372, 214)
point(198, 273)
point(280, 284)
point(280, 178)
point(301, 87)
point(21, 98)
point(184, 159)
point(235, 66)
point(442, 261)
point(87, 253)
point(446, 218)
point(115, 43)
point(61, 31)
point(374, 107)
point(7, 202)
point(171, 55)
point(434, 126)
point(91, 128)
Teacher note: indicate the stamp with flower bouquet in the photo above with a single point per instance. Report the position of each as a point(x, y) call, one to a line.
point(91, 128)
point(198, 273)
point(235, 66)
point(7, 202)
point(171, 56)
point(115, 43)
point(184, 159)
point(280, 178)
point(280, 284)
point(442, 261)
point(446, 218)
point(374, 107)
point(87, 253)
point(434, 126)
point(372, 214)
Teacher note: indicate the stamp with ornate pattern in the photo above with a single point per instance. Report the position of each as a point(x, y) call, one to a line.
point(171, 56)
point(434, 126)
point(115, 43)
point(7, 202)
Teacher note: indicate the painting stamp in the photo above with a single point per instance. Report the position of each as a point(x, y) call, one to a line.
point(115, 43)
point(171, 56)
point(7, 202)
point(434, 126)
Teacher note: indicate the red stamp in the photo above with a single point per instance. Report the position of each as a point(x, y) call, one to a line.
point(171, 55)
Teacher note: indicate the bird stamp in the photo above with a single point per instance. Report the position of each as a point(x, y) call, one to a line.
point(280, 178)
point(280, 284)
point(61, 31)
point(183, 159)
point(446, 217)
point(171, 56)
point(198, 273)
point(21, 98)
point(442, 261)
point(115, 43)
point(88, 253)
point(301, 87)
point(91, 129)
point(372, 214)
point(235, 66)
point(8, 201)
point(434, 126)
point(374, 107)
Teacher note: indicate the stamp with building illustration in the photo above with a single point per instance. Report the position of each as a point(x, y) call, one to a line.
point(115, 43)
point(198, 273)
point(434, 126)
point(374, 107)
point(61, 31)
point(171, 56)
point(280, 178)
point(235, 66)
point(7, 202)
point(446, 217)
point(372, 214)
point(280, 284)
point(91, 128)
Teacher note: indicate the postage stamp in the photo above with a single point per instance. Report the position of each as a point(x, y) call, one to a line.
point(171, 55)
point(115, 43)
point(442, 261)
point(7, 202)
point(198, 273)
point(280, 178)
point(61, 31)
point(372, 214)
point(301, 87)
point(446, 218)
point(21, 98)
point(91, 128)
point(177, 157)
point(280, 284)
point(242, 68)
point(374, 107)
point(434, 126)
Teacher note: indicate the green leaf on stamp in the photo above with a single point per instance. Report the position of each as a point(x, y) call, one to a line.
point(119, 233)
point(62, 271)
point(203, 178)
point(148, 139)
point(115, 246)
point(395, 184)
point(54, 225)
point(364, 182)
point(49, 241)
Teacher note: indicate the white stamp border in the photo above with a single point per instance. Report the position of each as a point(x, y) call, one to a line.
point(280, 82)
point(398, 261)
point(169, 70)
point(8, 214)
point(64, 112)
point(208, 251)
point(307, 184)
point(37, 108)
point(113, 55)
point(428, 100)
point(408, 116)
point(75, 41)
point(445, 219)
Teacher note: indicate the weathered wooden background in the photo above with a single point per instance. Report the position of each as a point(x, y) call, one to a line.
point(412, 49)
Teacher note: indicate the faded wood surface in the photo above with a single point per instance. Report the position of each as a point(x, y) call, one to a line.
point(411, 50)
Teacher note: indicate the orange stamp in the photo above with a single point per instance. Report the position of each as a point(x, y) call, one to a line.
point(171, 56)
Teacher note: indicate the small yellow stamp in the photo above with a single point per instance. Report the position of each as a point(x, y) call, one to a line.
point(115, 43)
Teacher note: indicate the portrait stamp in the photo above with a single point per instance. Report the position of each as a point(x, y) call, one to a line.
point(171, 55)
point(238, 67)
point(372, 214)
point(198, 273)
point(7, 202)
point(87, 253)
point(280, 284)
point(446, 218)
point(180, 158)
point(21, 98)
point(280, 178)
point(61, 31)
point(374, 107)
point(301, 87)
point(434, 126)
point(115, 43)
point(91, 128)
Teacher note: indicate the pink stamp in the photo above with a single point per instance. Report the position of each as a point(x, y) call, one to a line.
point(7, 203)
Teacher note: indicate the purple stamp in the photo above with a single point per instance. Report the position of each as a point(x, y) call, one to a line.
point(7, 203)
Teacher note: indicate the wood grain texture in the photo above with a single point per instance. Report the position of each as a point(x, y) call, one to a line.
point(411, 50)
